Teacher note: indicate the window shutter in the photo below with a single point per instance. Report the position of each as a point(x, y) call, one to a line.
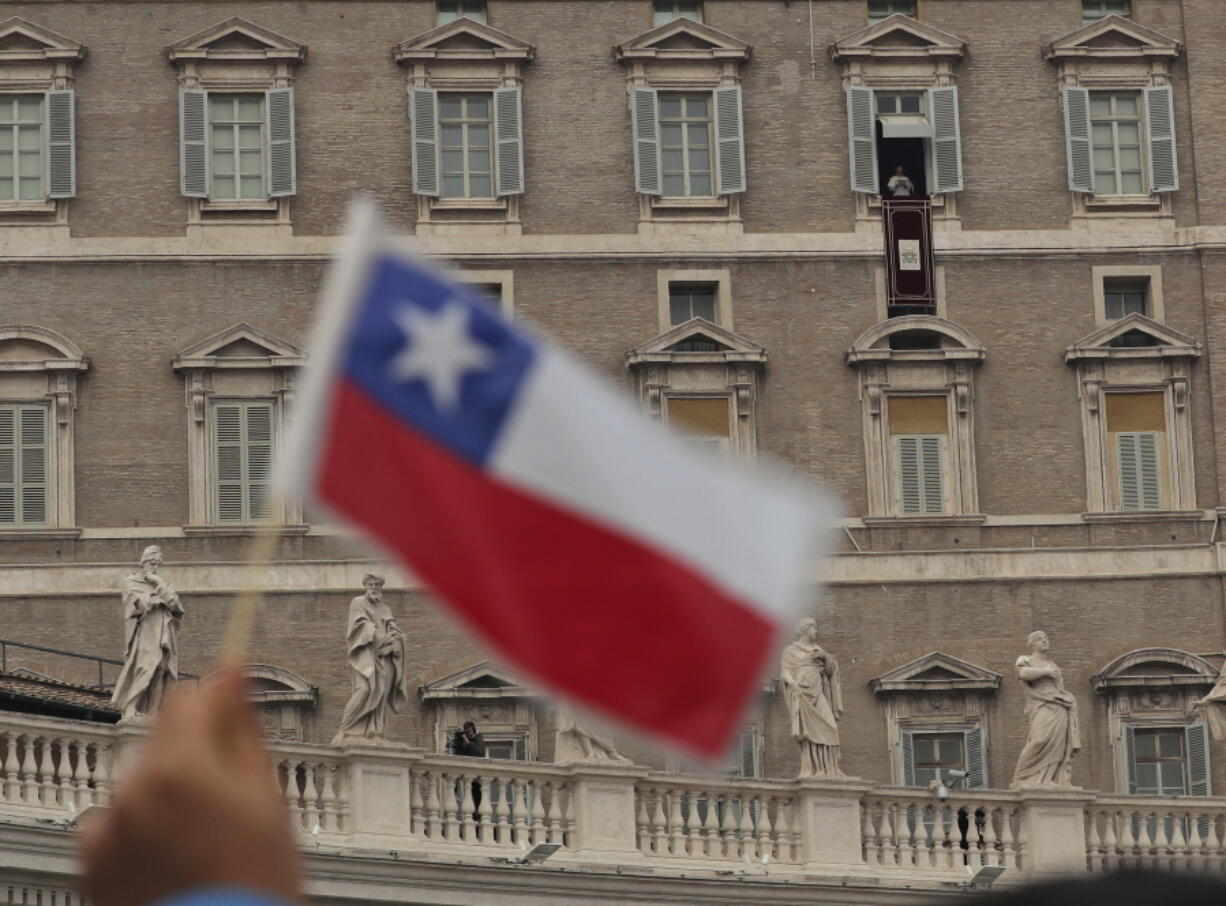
point(909, 474)
point(61, 145)
point(908, 759)
point(976, 760)
point(946, 139)
point(193, 143)
point(423, 114)
point(282, 167)
point(1149, 489)
point(1130, 757)
point(1160, 121)
point(1127, 454)
point(521, 748)
point(259, 461)
point(228, 428)
point(862, 139)
point(1198, 760)
point(8, 466)
point(747, 753)
point(509, 132)
point(1077, 139)
point(645, 126)
point(729, 141)
point(930, 473)
point(32, 465)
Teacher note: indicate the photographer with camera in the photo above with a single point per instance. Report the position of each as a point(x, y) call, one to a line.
point(471, 744)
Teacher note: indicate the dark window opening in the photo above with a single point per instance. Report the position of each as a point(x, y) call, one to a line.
point(697, 343)
point(691, 300)
point(1133, 339)
point(914, 339)
point(908, 153)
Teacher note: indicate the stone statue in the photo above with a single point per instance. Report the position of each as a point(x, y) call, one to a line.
point(814, 696)
point(151, 612)
point(1051, 712)
point(376, 665)
point(1213, 706)
point(576, 742)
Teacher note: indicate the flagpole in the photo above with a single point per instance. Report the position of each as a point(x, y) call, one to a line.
point(246, 606)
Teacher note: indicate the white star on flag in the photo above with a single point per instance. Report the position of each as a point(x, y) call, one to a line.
point(439, 350)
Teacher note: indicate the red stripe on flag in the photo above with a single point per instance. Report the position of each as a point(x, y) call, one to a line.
point(612, 621)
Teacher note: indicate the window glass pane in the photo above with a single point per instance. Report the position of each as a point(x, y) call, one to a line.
point(29, 138)
point(909, 103)
point(674, 185)
point(6, 139)
point(251, 163)
point(223, 163)
point(6, 188)
point(696, 106)
point(925, 776)
point(478, 135)
point(700, 159)
point(223, 137)
point(30, 108)
point(251, 108)
point(250, 136)
point(29, 164)
point(450, 106)
point(480, 187)
point(31, 189)
point(700, 184)
point(1146, 746)
point(673, 159)
point(1100, 105)
point(1170, 745)
point(223, 187)
point(453, 186)
point(1172, 777)
point(887, 103)
point(453, 161)
point(253, 187)
point(924, 749)
point(478, 107)
point(1147, 777)
point(670, 105)
point(221, 107)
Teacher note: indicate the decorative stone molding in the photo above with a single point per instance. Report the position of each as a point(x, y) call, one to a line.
point(503, 710)
point(238, 363)
point(948, 370)
point(39, 365)
point(464, 55)
point(1150, 687)
point(1115, 54)
point(900, 54)
point(1162, 367)
point(731, 371)
point(686, 56)
point(284, 700)
point(936, 693)
point(237, 56)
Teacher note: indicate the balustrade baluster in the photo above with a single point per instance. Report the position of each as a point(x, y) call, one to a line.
point(81, 773)
point(61, 780)
point(452, 802)
point(310, 796)
point(327, 797)
point(711, 842)
point(895, 820)
point(29, 771)
point(1094, 848)
point(1008, 846)
point(745, 827)
point(467, 809)
point(868, 833)
point(676, 830)
point(1213, 844)
point(657, 822)
point(434, 829)
point(12, 767)
point(553, 820)
point(568, 818)
point(522, 791)
point(783, 831)
point(291, 794)
point(1110, 842)
point(640, 820)
point(727, 828)
point(46, 774)
point(538, 812)
point(766, 829)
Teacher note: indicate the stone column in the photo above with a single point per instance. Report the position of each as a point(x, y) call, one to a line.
point(602, 801)
point(829, 824)
point(1054, 820)
point(380, 793)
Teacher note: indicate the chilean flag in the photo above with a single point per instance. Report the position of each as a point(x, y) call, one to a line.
point(598, 553)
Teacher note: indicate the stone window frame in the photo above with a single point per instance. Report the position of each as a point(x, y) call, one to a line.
point(692, 70)
point(485, 14)
point(500, 64)
point(247, 70)
point(1081, 64)
point(949, 371)
point(455, 701)
point(898, 68)
point(734, 373)
point(49, 381)
point(1100, 274)
point(505, 279)
point(51, 67)
point(295, 699)
point(721, 278)
point(957, 701)
point(1162, 699)
point(1162, 368)
point(211, 378)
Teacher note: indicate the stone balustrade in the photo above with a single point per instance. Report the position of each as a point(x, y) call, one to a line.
point(380, 798)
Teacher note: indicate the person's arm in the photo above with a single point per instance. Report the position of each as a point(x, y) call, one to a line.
point(204, 769)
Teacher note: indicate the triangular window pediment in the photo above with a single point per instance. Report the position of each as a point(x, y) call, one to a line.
point(477, 681)
point(697, 337)
point(934, 671)
point(240, 344)
point(237, 39)
point(1113, 36)
point(1134, 335)
point(899, 35)
point(683, 37)
point(464, 38)
point(22, 40)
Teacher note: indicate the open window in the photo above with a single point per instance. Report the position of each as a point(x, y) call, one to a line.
point(503, 710)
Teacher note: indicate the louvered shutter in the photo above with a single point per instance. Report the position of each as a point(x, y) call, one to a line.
point(1147, 460)
point(1198, 760)
point(1077, 139)
point(228, 435)
point(909, 483)
point(1140, 477)
point(1160, 123)
point(976, 761)
point(747, 754)
point(282, 167)
point(729, 141)
point(193, 143)
point(645, 129)
point(931, 474)
point(423, 115)
point(61, 145)
point(862, 139)
point(908, 758)
point(521, 748)
point(509, 136)
point(8, 466)
point(946, 139)
point(259, 461)
point(1130, 757)
point(32, 465)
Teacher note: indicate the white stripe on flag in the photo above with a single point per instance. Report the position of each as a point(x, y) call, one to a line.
point(575, 442)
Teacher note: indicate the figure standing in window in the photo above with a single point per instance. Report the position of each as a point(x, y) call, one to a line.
point(151, 660)
point(900, 184)
point(810, 678)
point(1051, 712)
point(376, 664)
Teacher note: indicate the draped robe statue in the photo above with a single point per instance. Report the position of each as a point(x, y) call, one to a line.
point(1054, 735)
point(1213, 706)
point(376, 665)
point(152, 612)
point(576, 742)
point(814, 695)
